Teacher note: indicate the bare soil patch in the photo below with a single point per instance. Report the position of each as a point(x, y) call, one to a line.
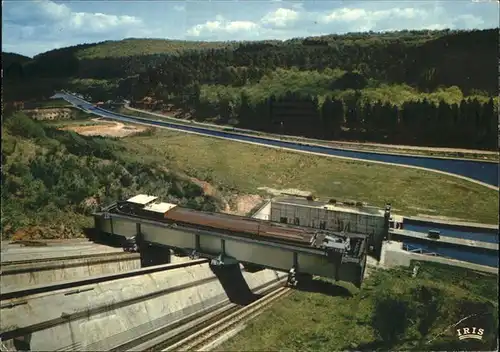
point(106, 128)
point(286, 192)
point(236, 204)
point(242, 205)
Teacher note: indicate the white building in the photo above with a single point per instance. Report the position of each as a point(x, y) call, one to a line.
point(334, 217)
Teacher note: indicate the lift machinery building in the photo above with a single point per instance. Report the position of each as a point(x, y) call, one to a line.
point(353, 217)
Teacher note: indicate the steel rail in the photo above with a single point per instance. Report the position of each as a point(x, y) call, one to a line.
point(210, 332)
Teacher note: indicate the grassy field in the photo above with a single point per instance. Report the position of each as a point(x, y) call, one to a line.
point(392, 311)
point(238, 167)
point(356, 146)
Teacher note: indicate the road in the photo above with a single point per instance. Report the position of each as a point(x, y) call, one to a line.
point(481, 172)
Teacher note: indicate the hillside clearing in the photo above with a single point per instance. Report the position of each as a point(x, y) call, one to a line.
point(106, 128)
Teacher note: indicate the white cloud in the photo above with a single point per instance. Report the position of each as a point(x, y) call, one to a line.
point(357, 14)
point(277, 19)
point(56, 25)
point(99, 22)
point(48, 19)
point(221, 25)
point(280, 17)
point(179, 8)
point(293, 20)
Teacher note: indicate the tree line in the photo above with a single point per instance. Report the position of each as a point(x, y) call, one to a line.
point(468, 124)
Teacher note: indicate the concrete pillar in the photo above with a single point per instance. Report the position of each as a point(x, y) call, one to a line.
point(154, 255)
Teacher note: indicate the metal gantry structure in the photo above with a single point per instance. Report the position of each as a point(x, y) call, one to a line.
point(230, 240)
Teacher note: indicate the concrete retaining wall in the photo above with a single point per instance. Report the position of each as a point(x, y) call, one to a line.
point(14, 252)
point(104, 330)
point(394, 255)
point(36, 274)
point(39, 277)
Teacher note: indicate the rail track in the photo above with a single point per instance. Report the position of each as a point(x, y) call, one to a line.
point(207, 325)
point(197, 338)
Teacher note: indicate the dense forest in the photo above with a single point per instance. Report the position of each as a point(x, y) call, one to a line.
point(56, 177)
point(413, 87)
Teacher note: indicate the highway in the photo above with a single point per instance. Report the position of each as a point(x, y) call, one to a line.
point(483, 172)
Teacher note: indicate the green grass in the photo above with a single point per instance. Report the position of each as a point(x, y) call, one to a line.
point(375, 148)
point(244, 168)
point(391, 312)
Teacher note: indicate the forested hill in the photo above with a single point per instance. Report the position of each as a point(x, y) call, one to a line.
point(381, 87)
point(10, 58)
point(426, 59)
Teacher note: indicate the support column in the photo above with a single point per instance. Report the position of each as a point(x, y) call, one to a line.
point(154, 255)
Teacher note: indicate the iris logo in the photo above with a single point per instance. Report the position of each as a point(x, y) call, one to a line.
point(470, 333)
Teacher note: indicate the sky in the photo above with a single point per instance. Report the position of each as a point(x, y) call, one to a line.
point(33, 27)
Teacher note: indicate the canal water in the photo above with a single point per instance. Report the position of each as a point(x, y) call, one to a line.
point(458, 254)
point(486, 172)
point(465, 232)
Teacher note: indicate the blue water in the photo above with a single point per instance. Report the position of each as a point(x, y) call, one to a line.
point(459, 254)
point(484, 235)
point(477, 235)
point(478, 170)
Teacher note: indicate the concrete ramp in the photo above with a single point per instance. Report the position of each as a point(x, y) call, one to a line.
point(111, 314)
